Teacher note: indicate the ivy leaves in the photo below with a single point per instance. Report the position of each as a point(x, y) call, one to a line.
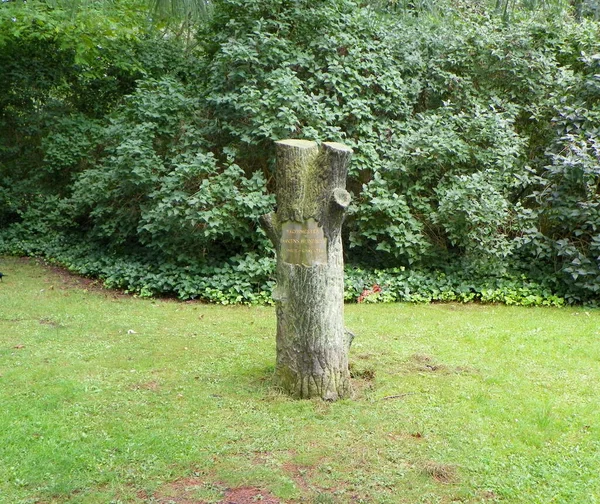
point(476, 142)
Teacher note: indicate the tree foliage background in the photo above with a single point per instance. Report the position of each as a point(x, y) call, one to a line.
point(142, 152)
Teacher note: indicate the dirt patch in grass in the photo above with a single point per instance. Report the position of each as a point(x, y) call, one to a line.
point(405, 436)
point(248, 495)
point(191, 491)
point(363, 379)
point(426, 364)
point(364, 373)
point(489, 495)
point(153, 386)
point(50, 322)
point(183, 491)
point(302, 475)
point(443, 473)
point(299, 474)
point(361, 388)
point(365, 356)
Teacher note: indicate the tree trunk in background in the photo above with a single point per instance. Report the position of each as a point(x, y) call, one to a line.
point(312, 346)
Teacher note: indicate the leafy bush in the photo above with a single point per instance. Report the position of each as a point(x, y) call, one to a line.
point(567, 235)
point(456, 285)
point(157, 187)
point(147, 162)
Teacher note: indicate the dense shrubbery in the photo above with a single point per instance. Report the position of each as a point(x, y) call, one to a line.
point(475, 176)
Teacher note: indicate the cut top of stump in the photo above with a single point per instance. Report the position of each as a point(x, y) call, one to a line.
point(309, 144)
point(302, 144)
point(338, 146)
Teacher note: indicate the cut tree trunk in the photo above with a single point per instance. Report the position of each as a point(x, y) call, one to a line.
point(312, 344)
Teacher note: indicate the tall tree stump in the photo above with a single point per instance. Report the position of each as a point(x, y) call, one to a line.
point(312, 345)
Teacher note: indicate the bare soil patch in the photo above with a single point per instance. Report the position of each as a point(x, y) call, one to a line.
point(299, 474)
point(185, 491)
point(427, 364)
point(153, 386)
point(443, 473)
point(249, 495)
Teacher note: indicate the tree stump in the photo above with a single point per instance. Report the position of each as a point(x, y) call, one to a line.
point(312, 345)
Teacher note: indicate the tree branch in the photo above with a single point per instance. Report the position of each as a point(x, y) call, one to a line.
point(271, 226)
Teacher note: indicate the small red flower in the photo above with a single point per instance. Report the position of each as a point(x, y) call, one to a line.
point(368, 292)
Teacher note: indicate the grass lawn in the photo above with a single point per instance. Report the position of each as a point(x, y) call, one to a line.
point(106, 398)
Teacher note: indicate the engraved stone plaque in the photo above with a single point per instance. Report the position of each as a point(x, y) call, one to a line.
point(303, 243)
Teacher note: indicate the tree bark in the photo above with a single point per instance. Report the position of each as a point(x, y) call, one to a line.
point(312, 346)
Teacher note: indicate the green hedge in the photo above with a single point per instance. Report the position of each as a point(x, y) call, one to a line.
point(147, 159)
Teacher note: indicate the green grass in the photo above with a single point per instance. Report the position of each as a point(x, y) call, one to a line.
point(106, 398)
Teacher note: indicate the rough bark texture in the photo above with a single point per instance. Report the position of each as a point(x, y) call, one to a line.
point(312, 346)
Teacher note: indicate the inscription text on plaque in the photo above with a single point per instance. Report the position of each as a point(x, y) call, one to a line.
point(303, 243)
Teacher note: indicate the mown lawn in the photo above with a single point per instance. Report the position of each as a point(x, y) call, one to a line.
point(106, 398)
